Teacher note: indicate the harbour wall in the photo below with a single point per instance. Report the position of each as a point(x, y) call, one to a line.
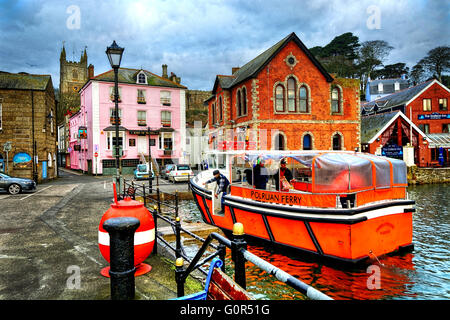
point(428, 175)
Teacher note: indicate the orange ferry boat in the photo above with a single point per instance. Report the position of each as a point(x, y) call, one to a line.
point(348, 206)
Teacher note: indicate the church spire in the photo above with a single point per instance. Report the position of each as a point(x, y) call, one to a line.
point(84, 56)
point(63, 53)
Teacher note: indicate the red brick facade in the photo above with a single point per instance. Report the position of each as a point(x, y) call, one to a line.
point(435, 92)
point(289, 94)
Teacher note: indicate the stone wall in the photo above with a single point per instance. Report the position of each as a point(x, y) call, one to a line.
point(418, 175)
point(17, 128)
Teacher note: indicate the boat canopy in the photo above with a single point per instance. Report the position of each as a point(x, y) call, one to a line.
point(342, 171)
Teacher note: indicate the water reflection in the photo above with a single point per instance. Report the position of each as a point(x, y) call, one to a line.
point(420, 274)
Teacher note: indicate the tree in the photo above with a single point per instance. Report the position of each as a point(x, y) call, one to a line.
point(391, 71)
point(437, 61)
point(371, 55)
point(339, 55)
point(417, 74)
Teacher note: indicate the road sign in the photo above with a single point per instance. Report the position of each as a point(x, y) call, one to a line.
point(96, 154)
point(7, 146)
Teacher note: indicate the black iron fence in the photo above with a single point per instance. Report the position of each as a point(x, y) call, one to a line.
point(157, 200)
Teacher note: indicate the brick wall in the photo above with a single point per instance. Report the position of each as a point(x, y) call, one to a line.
point(318, 122)
point(17, 128)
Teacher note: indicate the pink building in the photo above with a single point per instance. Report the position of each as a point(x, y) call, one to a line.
point(75, 143)
point(151, 116)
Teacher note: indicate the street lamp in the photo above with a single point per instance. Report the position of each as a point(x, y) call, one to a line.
point(114, 53)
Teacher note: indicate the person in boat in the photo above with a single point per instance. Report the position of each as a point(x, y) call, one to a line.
point(260, 175)
point(284, 174)
point(222, 185)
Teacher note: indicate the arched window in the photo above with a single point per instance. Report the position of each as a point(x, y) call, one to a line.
point(335, 104)
point(74, 74)
point(307, 142)
point(141, 78)
point(213, 113)
point(279, 98)
point(279, 142)
point(291, 95)
point(244, 101)
point(239, 104)
point(337, 142)
point(303, 94)
point(220, 109)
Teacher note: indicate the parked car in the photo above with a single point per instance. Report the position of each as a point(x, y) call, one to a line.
point(180, 172)
point(16, 185)
point(142, 171)
point(165, 171)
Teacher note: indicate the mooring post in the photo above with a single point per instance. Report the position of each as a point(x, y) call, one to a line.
point(238, 244)
point(143, 193)
point(222, 253)
point(179, 272)
point(158, 198)
point(121, 234)
point(176, 203)
point(178, 237)
point(155, 218)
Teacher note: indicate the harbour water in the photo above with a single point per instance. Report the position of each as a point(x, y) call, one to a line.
point(419, 274)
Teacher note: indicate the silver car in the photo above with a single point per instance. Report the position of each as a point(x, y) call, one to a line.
point(16, 185)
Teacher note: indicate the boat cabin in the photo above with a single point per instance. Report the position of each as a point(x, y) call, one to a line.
point(323, 179)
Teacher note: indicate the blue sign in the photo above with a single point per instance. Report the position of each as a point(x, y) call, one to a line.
point(44, 169)
point(434, 116)
point(392, 151)
point(22, 160)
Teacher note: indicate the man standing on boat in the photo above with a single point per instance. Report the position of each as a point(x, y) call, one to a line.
point(222, 185)
point(260, 175)
point(283, 174)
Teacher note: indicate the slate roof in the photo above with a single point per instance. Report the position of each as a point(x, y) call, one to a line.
point(371, 125)
point(251, 68)
point(23, 81)
point(396, 99)
point(388, 85)
point(127, 75)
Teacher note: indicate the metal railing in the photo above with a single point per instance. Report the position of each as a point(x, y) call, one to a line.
point(237, 245)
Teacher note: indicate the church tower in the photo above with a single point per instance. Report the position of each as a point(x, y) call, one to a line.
point(73, 74)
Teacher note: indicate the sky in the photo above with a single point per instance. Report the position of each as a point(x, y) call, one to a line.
point(200, 39)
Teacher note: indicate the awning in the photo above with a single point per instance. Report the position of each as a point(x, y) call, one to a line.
point(437, 140)
point(113, 128)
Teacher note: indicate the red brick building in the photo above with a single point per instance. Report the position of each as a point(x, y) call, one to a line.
point(284, 99)
point(426, 106)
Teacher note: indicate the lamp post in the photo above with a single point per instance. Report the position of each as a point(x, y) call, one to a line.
point(114, 53)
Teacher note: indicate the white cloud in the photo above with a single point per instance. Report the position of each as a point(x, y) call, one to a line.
point(199, 39)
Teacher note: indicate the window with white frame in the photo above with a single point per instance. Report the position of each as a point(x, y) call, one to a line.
point(141, 96)
point(426, 104)
point(165, 98)
point(141, 78)
point(111, 94)
point(166, 118)
point(112, 115)
point(165, 141)
point(111, 139)
point(142, 118)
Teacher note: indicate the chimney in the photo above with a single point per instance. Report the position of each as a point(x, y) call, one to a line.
point(234, 69)
point(90, 71)
point(164, 71)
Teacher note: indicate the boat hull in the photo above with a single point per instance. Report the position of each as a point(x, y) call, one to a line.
point(346, 235)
